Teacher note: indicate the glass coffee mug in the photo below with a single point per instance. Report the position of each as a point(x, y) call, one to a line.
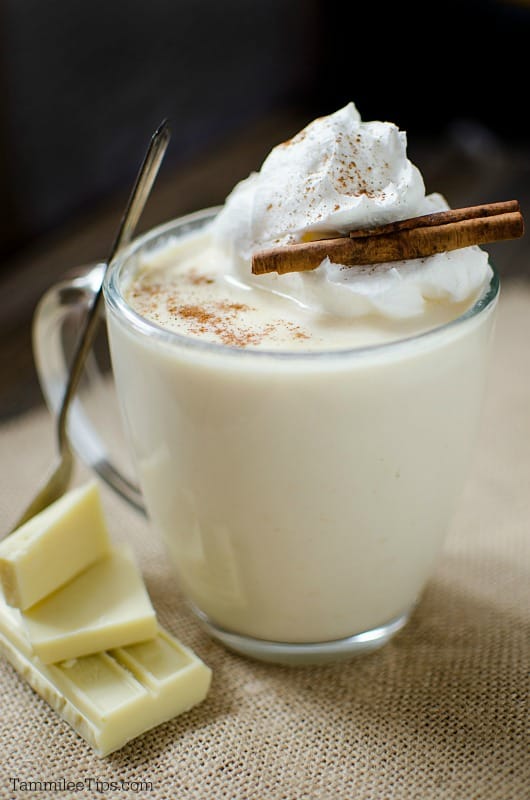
point(302, 497)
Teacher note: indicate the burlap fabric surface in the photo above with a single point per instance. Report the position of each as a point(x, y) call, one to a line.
point(440, 712)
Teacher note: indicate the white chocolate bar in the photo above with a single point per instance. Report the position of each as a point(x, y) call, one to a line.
point(53, 547)
point(106, 606)
point(111, 697)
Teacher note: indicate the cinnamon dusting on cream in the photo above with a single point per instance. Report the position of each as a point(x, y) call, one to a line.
point(212, 317)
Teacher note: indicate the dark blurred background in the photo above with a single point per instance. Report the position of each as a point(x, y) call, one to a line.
point(83, 84)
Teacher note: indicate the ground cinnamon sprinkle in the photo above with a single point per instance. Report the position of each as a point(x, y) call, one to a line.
point(199, 280)
point(214, 319)
point(220, 319)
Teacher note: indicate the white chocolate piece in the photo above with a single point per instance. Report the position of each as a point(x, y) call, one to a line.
point(111, 697)
point(52, 547)
point(105, 606)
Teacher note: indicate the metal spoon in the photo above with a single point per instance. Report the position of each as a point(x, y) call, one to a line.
point(58, 483)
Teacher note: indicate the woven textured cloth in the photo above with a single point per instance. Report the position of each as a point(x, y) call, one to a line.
point(440, 712)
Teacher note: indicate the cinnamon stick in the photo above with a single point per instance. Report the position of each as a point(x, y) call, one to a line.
point(416, 237)
point(440, 218)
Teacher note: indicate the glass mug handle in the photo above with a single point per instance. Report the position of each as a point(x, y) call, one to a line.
point(58, 316)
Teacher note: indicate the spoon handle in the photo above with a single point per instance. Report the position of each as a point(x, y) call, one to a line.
point(135, 205)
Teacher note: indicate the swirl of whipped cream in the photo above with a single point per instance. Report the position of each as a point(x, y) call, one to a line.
point(338, 174)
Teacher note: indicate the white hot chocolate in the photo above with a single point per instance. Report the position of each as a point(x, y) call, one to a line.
point(302, 440)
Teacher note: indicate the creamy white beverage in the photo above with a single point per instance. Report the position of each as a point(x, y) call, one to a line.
point(188, 287)
point(302, 440)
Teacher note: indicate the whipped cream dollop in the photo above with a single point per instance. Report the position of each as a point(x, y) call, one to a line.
point(338, 174)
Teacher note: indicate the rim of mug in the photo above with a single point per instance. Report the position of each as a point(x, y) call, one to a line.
point(117, 303)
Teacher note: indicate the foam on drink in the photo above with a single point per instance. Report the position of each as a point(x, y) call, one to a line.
point(336, 175)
